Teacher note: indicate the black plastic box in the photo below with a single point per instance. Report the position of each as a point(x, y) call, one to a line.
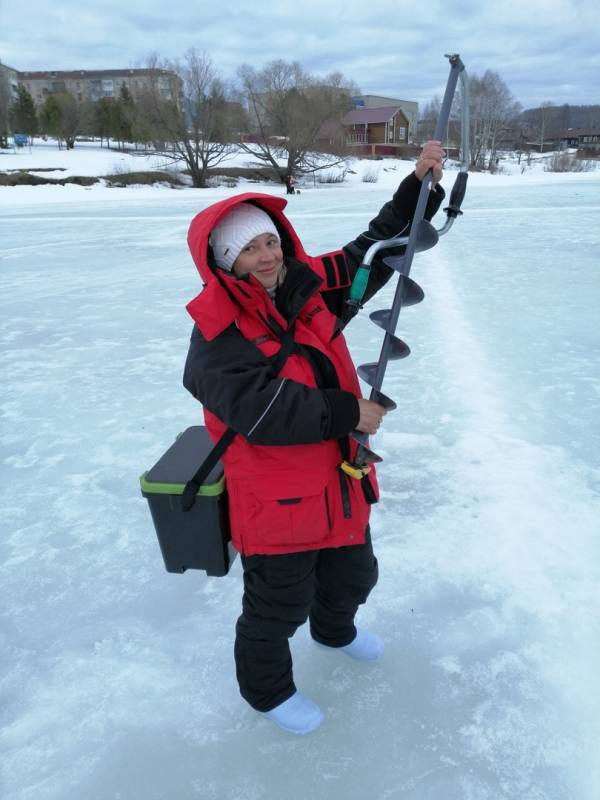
point(198, 538)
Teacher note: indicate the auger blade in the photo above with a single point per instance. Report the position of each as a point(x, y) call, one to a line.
point(365, 454)
point(367, 372)
point(427, 236)
point(383, 400)
point(411, 291)
point(398, 349)
point(395, 262)
point(381, 317)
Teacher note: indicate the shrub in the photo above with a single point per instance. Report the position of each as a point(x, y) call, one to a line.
point(214, 181)
point(588, 152)
point(566, 162)
point(24, 178)
point(331, 176)
point(255, 174)
point(370, 175)
point(122, 179)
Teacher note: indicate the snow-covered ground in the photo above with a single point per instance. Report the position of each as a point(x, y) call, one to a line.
point(118, 678)
point(87, 158)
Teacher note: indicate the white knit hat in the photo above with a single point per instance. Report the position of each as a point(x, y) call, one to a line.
point(234, 231)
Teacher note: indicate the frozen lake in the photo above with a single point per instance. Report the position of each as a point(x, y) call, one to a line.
point(118, 678)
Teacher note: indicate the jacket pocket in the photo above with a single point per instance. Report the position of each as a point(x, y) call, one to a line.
point(280, 522)
point(292, 521)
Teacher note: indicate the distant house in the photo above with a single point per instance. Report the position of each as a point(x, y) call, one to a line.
point(588, 138)
point(409, 108)
point(376, 131)
point(95, 84)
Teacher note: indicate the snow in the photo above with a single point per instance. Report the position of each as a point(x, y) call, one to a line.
point(118, 678)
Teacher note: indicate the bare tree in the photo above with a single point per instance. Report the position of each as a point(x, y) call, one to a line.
point(543, 121)
point(64, 117)
point(428, 119)
point(492, 109)
point(72, 118)
point(288, 110)
point(186, 112)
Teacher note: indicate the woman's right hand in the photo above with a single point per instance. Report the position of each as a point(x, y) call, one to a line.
point(431, 158)
point(371, 415)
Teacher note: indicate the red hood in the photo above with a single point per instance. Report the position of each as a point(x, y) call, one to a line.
point(205, 221)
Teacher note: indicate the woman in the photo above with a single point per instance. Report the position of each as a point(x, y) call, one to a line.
point(299, 521)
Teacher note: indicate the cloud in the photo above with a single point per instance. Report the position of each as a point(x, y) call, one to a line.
point(543, 49)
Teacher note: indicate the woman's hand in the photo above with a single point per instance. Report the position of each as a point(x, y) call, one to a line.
point(432, 157)
point(371, 415)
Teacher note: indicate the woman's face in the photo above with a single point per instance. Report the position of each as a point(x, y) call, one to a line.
point(261, 257)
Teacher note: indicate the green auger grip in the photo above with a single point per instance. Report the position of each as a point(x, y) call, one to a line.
point(359, 284)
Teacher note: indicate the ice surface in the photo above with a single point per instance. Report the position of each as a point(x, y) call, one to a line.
point(118, 678)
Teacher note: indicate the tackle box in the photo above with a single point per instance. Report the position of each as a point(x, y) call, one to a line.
point(199, 538)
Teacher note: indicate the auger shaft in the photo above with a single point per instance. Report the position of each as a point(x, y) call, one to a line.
point(422, 236)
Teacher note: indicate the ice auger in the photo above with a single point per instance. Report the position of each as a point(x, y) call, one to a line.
point(423, 236)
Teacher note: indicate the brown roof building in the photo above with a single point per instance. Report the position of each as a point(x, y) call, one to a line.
point(410, 108)
point(376, 131)
point(581, 137)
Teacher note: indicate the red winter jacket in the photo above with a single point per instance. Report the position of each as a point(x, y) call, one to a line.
point(286, 491)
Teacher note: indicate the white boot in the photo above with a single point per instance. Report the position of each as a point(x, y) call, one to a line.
point(297, 714)
point(366, 646)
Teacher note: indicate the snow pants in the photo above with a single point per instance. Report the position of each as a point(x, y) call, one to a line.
point(280, 593)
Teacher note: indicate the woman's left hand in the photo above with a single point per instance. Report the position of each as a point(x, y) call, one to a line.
point(432, 157)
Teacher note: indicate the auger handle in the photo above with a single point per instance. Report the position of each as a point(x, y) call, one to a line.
point(359, 284)
point(457, 195)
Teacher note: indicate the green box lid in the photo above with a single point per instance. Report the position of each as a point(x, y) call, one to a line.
point(180, 463)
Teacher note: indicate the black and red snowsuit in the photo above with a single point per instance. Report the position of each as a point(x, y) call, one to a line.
point(287, 495)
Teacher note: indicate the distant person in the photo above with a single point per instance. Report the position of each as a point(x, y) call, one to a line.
point(298, 519)
point(289, 185)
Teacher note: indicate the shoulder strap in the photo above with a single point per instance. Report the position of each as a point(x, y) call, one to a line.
point(288, 345)
point(188, 498)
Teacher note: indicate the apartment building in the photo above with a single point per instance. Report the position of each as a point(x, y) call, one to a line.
point(10, 76)
point(95, 84)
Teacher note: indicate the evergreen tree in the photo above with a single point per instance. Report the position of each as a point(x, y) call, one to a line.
point(51, 117)
point(23, 114)
point(122, 113)
point(103, 119)
point(5, 102)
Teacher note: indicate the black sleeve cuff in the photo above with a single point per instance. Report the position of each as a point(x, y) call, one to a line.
point(343, 413)
point(406, 196)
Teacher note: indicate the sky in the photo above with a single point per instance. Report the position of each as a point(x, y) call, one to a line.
point(542, 49)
